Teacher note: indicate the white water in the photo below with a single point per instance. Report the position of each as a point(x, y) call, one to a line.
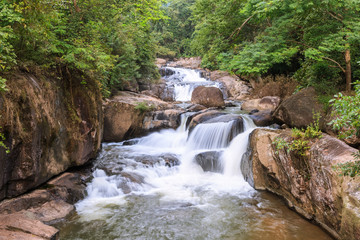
point(184, 81)
point(180, 183)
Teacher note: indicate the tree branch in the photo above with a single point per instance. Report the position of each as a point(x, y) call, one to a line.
point(334, 16)
point(237, 31)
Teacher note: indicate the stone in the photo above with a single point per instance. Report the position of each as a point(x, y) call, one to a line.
point(121, 118)
point(193, 63)
point(201, 117)
point(34, 229)
point(51, 212)
point(265, 103)
point(157, 120)
point(160, 62)
point(310, 185)
point(235, 88)
point(298, 110)
point(208, 97)
point(262, 118)
point(210, 161)
point(195, 108)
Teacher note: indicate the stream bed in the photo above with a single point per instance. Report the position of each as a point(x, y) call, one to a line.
point(157, 189)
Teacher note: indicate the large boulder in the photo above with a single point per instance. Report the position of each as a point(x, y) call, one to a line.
point(234, 87)
point(208, 97)
point(310, 185)
point(262, 118)
point(129, 115)
point(299, 109)
point(265, 103)
point(201, 117)
point(50, 124)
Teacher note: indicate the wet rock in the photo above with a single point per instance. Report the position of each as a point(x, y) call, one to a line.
point(298, 110)
point(201, 117)
point(262, 118)
point(208, 97)
point(162, 119)
point(130, 142)
point(309, 185)
point(148, 160)
point(210, 161)
point(164, 72)
point(265, 103)
point(195, 108)
point(133, 177)
point(171, 160)
point(19, 226)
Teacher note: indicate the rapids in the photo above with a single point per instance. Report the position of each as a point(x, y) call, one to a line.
point(134, 194)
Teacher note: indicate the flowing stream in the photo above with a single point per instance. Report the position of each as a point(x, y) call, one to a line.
point(158, 189)
point(182, 82)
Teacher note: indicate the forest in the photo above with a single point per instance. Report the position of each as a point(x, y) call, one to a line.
point(315, 43)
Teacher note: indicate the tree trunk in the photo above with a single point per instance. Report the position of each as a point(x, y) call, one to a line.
point(348, 68)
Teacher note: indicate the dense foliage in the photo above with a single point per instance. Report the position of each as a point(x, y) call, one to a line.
point(109, 40)
point(317, 42)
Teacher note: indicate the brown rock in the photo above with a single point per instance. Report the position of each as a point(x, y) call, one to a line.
point(50, 124)
point(15, 226)
point(193, 63)
point(160, 62)
point(235, 88)
point(262, 118)
point(50, 212)
point(299, 109)
point(201, 117)
point(309, 185)
point(265, 103)
point(162, 119)
point(208, 97)
point(122, 120)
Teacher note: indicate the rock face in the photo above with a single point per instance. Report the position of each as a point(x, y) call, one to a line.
point(129, 115)
point(298, 110)
point(309, 185)
point(265, 103)
point(208, 97)
point(235, 88)
point(50, 124)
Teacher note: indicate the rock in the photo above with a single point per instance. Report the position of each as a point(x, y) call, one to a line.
point(133, 177)
point(309, 185)
point(19, 226)
point(51, 212)
point(208, 97)
point(171, 160)
point(193, 63)
point(164, 72)
point(262, 118)
point(50, 125)
point(210, 161)
point(298, 110)
point(235, 88)
point(121, 118)
point(131, 86)
point(195, 108)
point(201, 117)
point(160, 62)
point(162, 119)
point(265, 103)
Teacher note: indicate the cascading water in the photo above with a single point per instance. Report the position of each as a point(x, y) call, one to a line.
point(135, 195)
point(184, 81)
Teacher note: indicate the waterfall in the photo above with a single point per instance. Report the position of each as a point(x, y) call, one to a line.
point(184, 81)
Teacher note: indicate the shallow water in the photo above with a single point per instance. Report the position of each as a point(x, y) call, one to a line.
point(134, 195)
